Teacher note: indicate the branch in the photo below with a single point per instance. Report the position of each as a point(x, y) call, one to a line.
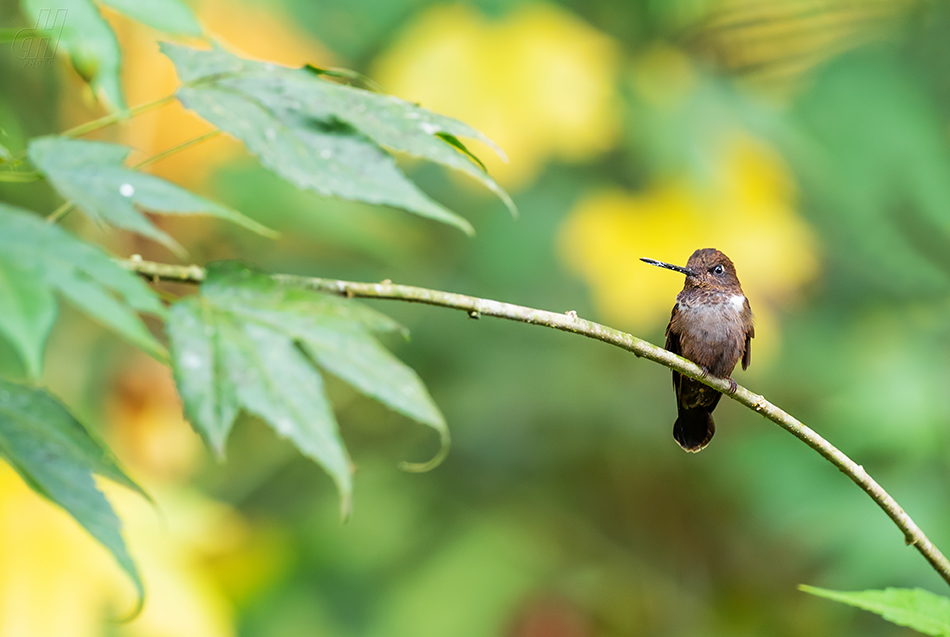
point(569, 322)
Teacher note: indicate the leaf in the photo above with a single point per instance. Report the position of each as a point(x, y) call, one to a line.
point(93, 175)
point(361, 361)
point(454, 141)
point(916, 608)
point(276, 382)
point(244, 291)
point(198, 361)
point(54, 260)
point(76, 27)
point(57, 457)
point(29, 311)
point(336, 333)
point(389, 121)
point(344, 74)
point(170, 16)
point(328, 158)
point(323, 136)
point(239, 344)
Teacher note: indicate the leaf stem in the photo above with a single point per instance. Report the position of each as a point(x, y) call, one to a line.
point(569, 322)
point(61, 212)
point(104, 121)
point(13, 34)
point(118, 116)
point(19, 176)
point(174, 149)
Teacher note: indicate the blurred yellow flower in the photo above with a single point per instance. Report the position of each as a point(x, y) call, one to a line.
point(56, 580)
point(748, 212)
point(540, 82)
point(172, 547)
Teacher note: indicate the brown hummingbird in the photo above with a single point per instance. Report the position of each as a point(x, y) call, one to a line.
point(712, 326)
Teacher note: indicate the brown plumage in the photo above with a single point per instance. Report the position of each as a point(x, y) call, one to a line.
point(711, 325)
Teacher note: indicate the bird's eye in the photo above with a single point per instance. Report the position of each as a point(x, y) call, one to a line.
point(718, 269)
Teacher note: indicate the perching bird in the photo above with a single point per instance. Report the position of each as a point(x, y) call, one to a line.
point(712, 326)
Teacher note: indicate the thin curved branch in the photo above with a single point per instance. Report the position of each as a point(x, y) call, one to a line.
point(570, 322)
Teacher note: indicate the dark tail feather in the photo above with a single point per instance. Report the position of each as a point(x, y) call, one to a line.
point(693, 429)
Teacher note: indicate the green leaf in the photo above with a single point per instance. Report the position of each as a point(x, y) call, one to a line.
point(391, 122)
point(93, 175)
point(360, 360)
point(276, 382)
point(57, 457)
point(29, 311)
point(344, 74)
point(83, 274)
point(239, 344)
point(244, 291)
point(77, 28)
point(199, 361)
point(323, 136)
point(916, 608)
point(170, 16)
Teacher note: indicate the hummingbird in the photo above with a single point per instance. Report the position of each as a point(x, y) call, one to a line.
point(711, 325)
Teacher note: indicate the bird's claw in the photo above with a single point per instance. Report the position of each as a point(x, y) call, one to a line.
point(733, 386)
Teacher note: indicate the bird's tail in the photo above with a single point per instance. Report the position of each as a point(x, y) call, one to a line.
point(693, 429)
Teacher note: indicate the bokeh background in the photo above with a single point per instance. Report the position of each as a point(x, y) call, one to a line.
point(807, 139)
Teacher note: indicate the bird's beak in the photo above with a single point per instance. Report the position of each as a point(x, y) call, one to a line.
point(670, 266)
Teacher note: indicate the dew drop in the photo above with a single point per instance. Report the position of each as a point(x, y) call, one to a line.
point(428, 129)
point(326, 154)
point(270, 134)
point(126, 190)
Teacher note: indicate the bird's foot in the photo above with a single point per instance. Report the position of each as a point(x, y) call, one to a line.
point(733, 386)
point(705, 372)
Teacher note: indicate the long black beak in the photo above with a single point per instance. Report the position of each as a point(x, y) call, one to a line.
point(670, 266)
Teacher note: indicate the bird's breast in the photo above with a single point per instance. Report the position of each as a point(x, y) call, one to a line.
point(711, 329)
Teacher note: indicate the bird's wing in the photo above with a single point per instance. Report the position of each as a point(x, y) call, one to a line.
point(747, 354)
point(673, 344)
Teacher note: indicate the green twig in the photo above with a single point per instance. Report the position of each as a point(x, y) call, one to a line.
point(19, 176)
point(174, 149)
point(118, 116)
point(104, 121)
point(569, 322)
point(14, 34)
point(60, 212)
